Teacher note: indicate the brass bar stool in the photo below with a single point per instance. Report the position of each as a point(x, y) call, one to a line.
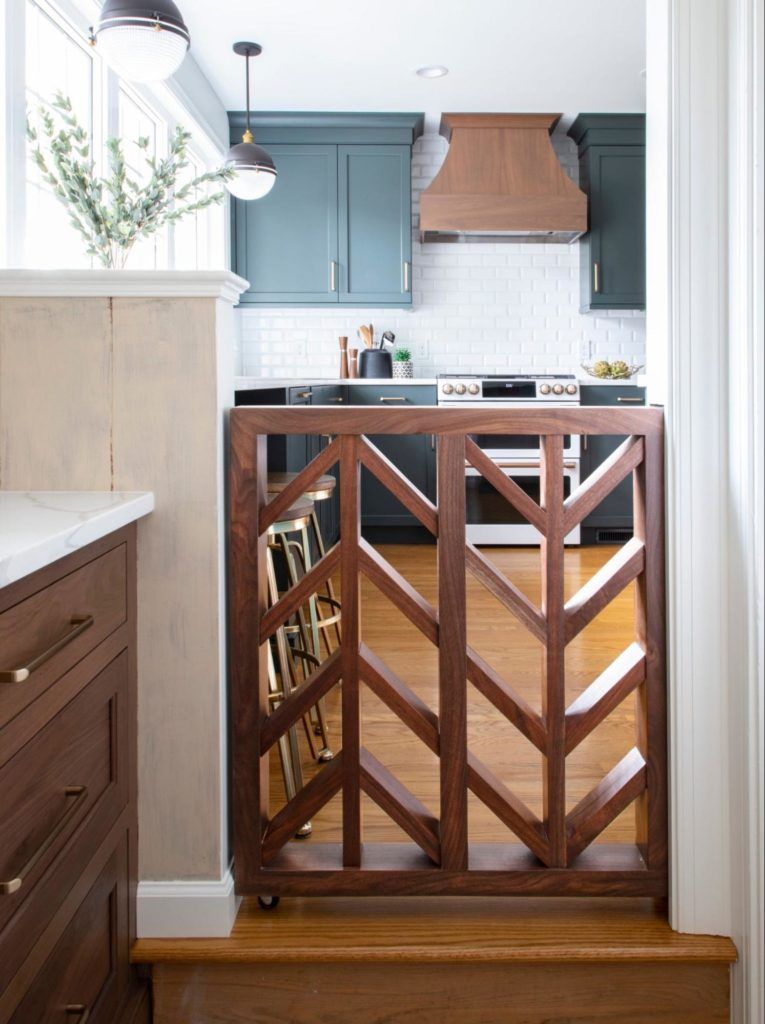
point(321, 490)
point(296, 520)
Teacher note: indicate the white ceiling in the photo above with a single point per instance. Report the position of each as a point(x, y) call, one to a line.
point(503, 55)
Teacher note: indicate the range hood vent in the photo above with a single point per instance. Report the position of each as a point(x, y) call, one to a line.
point(501, 182)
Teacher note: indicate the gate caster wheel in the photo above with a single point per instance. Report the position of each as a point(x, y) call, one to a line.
point(268, 902)
point(325, 755)
point(304, 831)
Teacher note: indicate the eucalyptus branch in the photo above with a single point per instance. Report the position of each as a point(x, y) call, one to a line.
point(112, 213)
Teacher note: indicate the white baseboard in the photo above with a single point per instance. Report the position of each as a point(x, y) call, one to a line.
point(175, 910)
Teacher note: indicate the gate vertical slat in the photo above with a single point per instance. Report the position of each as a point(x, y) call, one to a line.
point(554, 682)
point(350, 527)
point(651, 717)
point(249, 668)
point(452, 647)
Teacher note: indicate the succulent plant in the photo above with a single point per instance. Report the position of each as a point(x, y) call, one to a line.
point(402, 355)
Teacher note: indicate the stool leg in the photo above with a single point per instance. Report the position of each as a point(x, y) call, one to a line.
point(326, 753)
point(322, 551)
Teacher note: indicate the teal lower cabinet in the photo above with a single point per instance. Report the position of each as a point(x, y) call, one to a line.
point(612, 173)
point(336, 228)
point(611, 522)
point(414, 455)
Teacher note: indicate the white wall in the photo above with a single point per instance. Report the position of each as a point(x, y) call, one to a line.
point(488, 307)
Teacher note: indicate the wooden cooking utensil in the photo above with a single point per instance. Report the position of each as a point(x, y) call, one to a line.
point(343, 357)
point(354, 367)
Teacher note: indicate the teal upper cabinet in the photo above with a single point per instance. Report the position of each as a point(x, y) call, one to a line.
point(337, 226)
point(375, 216)
point(612, 173)
point(287, 241)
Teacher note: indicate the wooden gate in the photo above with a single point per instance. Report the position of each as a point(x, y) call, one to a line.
point(554, 855)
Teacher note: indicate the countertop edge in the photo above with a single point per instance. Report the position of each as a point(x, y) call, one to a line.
point(49, 547)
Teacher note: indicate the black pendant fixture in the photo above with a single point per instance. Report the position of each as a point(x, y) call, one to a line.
point(142, 41)
point(255, 170)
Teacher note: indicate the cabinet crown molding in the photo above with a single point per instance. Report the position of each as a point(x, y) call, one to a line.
point(218, 284)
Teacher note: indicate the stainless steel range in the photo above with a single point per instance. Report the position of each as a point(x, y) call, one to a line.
point(491, 519)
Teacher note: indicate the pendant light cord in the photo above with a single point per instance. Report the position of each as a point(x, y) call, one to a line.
point(247, 79)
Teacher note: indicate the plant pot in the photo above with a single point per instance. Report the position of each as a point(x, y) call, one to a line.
point(403, 368)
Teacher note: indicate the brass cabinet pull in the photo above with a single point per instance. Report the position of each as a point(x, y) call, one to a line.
point(406, 275)
point(80, 1009)
point(585, 444)
point(596, 276)
point(304, 394)
point(333, 275)
point(77, 795)
point(393, 398)
point(338, 399)
point(640, 400)
point(79, 623)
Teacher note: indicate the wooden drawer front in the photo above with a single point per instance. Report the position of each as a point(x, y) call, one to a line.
point(86, 974)
point(71, 778)
point(48, 618)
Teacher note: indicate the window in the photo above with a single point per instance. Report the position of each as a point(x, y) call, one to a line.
point(56, 59)
point(54, 55)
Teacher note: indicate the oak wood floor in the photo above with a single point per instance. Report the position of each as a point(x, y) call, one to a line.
point(517, 656)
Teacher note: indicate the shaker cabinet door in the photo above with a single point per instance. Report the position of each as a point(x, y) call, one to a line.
point(617, 227)
point(375, 221)
point(285, 244)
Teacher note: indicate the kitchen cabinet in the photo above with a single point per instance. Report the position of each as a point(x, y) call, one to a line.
point(68, 827)
point(611, 521)
point(336, 229)
point(612, 173)
point(414, 455)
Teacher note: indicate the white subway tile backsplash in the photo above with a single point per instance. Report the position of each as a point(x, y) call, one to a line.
point(485, 306)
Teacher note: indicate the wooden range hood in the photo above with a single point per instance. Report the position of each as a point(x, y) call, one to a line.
point(501, 181)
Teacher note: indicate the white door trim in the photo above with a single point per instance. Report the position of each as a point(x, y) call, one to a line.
point(705, 280)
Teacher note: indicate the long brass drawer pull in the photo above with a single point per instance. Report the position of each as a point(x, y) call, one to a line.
point(636, 400)
point(394, 398)
point(304, 394)
point(80, 1009)
point(77, 795)
point(79, 623)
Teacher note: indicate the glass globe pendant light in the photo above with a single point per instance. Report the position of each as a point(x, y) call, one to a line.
point(255, 171)
point(143, 42)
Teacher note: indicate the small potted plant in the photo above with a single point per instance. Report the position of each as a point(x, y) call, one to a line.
point(402, 363)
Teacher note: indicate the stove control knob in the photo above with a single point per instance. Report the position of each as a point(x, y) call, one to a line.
point(447, 389)
point(460, 389)
point(474, 389)
point(571, 389)
point(557, 389)
point(544, 389)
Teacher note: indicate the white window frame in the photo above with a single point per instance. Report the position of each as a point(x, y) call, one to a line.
point(76, 16)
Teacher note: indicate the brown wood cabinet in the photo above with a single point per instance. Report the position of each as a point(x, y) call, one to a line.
point(67, 791)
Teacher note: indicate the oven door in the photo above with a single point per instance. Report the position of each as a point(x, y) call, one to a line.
point(493, 520)
point(518, 446)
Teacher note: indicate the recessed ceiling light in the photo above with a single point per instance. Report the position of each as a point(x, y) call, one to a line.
point(432, 71)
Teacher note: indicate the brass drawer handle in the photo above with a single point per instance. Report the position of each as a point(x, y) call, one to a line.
point(394, 398)
point(78, 795)
point(339, 399)
point(304, 394)
point(80, 1009)
point(640, 400)
point(79, 623)
point(596, 276)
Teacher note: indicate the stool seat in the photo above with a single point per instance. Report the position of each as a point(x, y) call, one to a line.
point(294, 518)
point(320, 489)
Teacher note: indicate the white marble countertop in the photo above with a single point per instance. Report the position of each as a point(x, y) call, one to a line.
point(259, 383)
point(39, 527)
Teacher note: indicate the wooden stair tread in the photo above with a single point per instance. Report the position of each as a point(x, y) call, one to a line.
point(466, 929)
